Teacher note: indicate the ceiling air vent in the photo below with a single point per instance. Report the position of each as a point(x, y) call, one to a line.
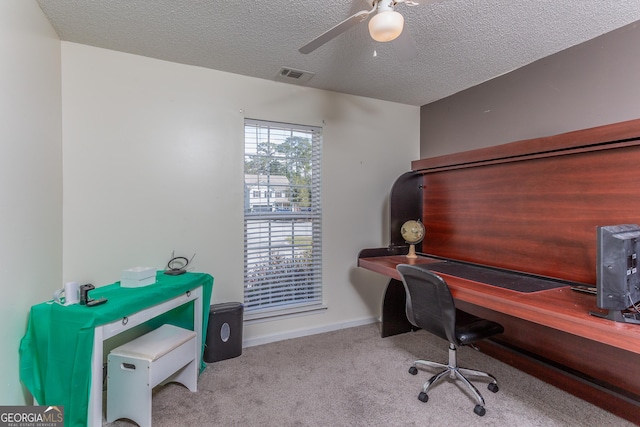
point(291, 75)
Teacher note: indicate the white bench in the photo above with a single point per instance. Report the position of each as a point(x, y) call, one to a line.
point(167, 354)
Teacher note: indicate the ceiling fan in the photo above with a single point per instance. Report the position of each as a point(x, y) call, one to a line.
point(386, 25)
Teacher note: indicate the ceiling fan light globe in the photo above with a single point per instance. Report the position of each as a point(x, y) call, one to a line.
point(386, 26)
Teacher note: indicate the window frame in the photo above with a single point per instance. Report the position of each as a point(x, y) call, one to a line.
point(268, 291)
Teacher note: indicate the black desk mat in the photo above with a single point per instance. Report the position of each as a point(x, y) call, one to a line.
point(519, 282)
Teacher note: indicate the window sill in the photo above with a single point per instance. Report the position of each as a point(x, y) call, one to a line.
point(267, 316)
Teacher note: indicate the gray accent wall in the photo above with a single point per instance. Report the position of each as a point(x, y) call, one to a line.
point(591, 84)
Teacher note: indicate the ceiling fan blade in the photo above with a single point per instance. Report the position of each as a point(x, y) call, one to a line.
point(405, 46)
point(336, 31)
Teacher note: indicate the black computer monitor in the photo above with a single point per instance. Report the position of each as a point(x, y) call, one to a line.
point(617, 271)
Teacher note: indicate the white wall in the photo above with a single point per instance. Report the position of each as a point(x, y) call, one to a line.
point(30, 177)
point(153, 162)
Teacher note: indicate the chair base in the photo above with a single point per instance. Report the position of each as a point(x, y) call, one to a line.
point(456, 373)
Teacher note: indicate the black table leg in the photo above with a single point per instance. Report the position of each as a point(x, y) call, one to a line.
point(394, 319)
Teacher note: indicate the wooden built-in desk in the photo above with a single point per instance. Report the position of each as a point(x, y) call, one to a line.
point(549, 334)
point(529, 206)
point(560, 308)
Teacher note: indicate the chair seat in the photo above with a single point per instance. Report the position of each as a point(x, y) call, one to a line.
point(470, 329)
point(155, 344)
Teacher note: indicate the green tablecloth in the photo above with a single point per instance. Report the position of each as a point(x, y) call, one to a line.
point(55, 353)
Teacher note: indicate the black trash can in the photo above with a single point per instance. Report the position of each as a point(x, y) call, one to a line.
point(224, 333)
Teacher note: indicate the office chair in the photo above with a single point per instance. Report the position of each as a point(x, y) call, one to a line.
point(430, 306)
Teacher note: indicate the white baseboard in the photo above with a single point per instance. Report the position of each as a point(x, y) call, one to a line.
point(306, 332)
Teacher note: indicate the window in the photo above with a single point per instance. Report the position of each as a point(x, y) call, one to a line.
point(282, 229)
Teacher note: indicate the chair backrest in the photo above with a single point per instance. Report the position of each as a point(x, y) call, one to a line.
point(429, 303)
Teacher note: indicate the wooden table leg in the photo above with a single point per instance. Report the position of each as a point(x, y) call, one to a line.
point(394, 319)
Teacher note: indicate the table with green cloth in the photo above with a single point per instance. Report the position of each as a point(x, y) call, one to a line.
point(56, 351)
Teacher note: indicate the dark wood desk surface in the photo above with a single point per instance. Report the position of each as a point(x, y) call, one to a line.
point(561, 308)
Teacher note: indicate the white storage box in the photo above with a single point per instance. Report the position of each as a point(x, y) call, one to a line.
point(138, 276)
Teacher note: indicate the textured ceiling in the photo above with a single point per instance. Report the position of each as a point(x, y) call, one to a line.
point(461, 43)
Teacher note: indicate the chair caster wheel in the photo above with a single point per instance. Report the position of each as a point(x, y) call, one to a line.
point(479, 410)
point(422, 397)
point(413, 370)
point(493, 387)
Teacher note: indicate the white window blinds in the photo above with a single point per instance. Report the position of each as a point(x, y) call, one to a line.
point(282, 217)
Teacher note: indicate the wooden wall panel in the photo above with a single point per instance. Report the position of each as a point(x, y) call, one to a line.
point(534, 213)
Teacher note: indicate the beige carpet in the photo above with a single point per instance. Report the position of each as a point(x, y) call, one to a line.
point(352, 377)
